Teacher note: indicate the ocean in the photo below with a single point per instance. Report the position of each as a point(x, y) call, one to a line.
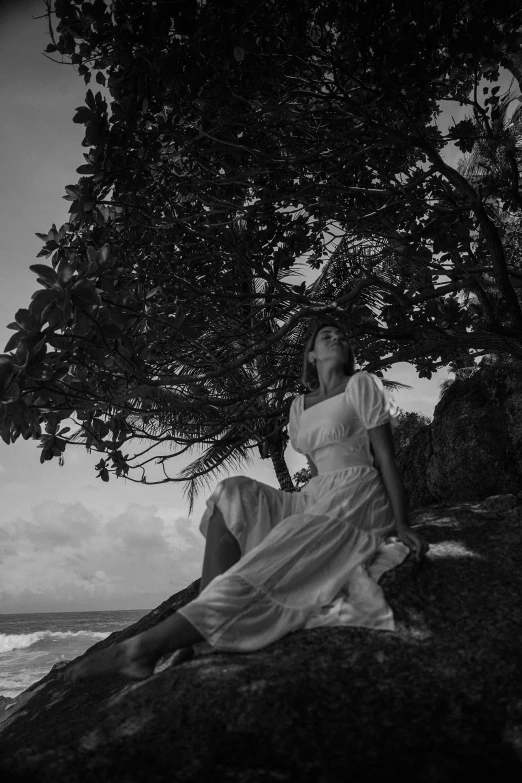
point(30, 644)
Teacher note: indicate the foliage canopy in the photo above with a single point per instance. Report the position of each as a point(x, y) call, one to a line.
point(241, 138)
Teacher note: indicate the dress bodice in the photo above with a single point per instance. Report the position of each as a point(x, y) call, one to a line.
point(334, 432)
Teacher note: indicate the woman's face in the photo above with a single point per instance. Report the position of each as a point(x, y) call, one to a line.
point(330, 343)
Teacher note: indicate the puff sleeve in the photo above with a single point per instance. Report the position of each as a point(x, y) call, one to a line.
point(372, 401)
point(293, 424)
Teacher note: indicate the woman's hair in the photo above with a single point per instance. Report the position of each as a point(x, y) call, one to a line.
point(309, 377)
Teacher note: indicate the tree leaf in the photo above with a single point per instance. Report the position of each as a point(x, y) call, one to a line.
point(86, 292)
point(45, 272)
point(6, 432)
point(37, 346)
point(55, 317)
point(36, 371)
point(12, 393)
point(25, 319)
point(65, 274)
point(83, 115)
point(76, 206)
point(103, 254)
point(13, 341)
point(41, 300)
point(89, 98)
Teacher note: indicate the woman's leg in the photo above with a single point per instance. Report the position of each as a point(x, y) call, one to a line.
point(137, 656)
point(221, 550)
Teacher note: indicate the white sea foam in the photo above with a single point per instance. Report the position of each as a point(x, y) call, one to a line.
point(19, 641)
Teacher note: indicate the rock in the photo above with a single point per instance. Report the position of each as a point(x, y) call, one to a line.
point(439, 700)
point(473, 447)
point(5, 702)
point(59, 665)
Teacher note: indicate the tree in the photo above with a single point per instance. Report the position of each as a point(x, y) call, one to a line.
point(492, 167)
point(409, 423)
point(239, 136)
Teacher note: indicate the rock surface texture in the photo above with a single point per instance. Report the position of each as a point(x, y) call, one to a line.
point(473, 447)
point(440, 699)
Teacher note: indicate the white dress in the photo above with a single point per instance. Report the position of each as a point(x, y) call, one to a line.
point(311, 558)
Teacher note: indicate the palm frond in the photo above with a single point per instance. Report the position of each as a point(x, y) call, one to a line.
point(219, 458)
point(488, 157)
point(395, 385)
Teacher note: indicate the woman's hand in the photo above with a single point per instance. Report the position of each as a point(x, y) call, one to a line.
point(416, 543)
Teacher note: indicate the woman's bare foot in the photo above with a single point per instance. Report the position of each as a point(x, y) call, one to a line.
point(126, 658)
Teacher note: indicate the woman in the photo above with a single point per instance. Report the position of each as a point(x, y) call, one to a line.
point(276, 561)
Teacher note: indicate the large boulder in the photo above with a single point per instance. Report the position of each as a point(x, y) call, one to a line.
point(439, 700)
point(473, 447)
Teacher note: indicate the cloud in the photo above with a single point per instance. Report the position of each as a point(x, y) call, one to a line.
point(54, 525)
point(138, 528)
point(66, 557)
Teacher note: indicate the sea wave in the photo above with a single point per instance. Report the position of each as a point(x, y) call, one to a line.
point(19, 641)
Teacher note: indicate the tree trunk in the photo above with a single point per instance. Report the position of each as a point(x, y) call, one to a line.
point(276, 451)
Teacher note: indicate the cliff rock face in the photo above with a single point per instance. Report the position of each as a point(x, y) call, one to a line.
point(473, 447)
point(439, 700)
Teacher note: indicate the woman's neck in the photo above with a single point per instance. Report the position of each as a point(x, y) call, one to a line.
point(329, 383)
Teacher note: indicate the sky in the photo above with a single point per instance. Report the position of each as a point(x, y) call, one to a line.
point(68, 541)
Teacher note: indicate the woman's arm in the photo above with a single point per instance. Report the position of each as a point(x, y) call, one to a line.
point(381, 439)
point(383, 447)
point(311, 465)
